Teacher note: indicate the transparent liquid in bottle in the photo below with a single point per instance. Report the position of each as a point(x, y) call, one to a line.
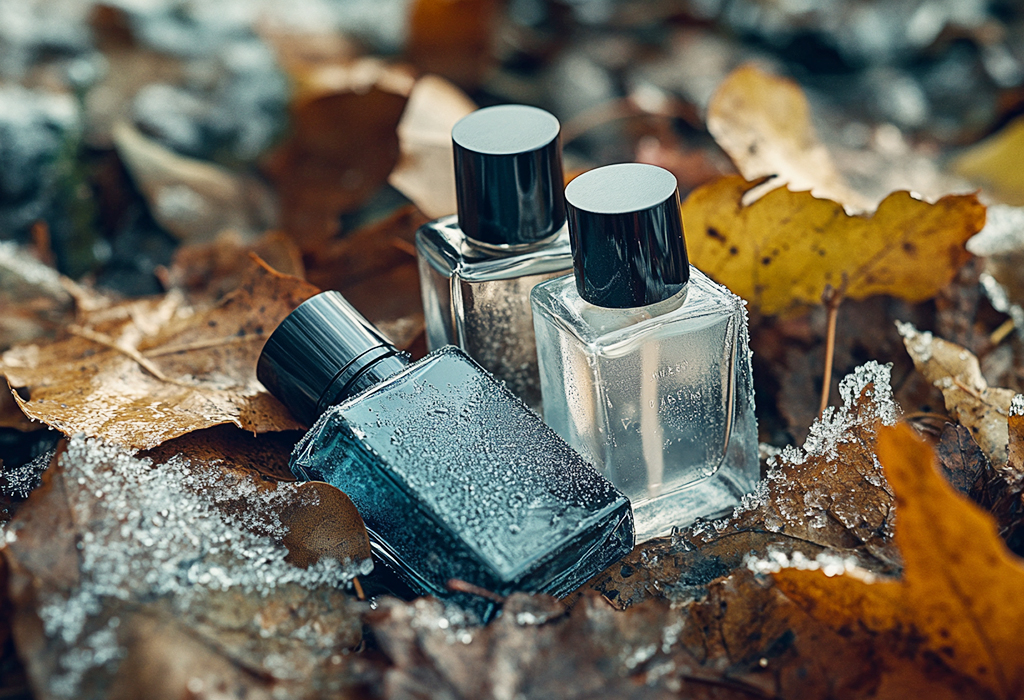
point(659, 398)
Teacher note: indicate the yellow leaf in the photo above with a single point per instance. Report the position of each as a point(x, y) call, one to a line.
point(959, 598)
point(779, 252)
point(764, 123)
point(995, 163)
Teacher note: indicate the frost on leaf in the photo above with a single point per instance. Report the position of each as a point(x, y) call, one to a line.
point(111, 542)
point(969, 399)
point(830, 494)
point(832, 490)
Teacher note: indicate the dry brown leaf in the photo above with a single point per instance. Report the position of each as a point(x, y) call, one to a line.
point(208, 271)
point(342, 145)
point(453, 38)
point(150, 370)
point(955, 598)
point(969, 398)
point(995, 163)
point(100, 610)
point(192, 199)
point(781, 251)
point(425, 172)
point(764, 123)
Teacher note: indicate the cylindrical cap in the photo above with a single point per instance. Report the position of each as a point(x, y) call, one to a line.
point(323, 352)
point(626, 233)
point(508, 175)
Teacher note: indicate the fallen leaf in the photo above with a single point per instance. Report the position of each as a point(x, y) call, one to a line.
point(138, 564)
point(453, 38)
point(146, 371)
point(961, 460)
point(208, 271)
point(764, 123)
point(969, 398)
point(995, 163)
point(192, 199)
point(781, 251)
point(342, 145)
point(952, 601)
point(744, 639)
point(425, 172)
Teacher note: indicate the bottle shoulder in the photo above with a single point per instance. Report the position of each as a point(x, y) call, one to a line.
point(448, 250)
point(700, 304)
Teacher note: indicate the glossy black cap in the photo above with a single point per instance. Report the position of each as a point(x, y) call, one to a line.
point(508, 175)
point(323, 352)
point(626, 233)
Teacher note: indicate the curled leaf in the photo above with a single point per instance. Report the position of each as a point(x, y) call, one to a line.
point(425, 172)
point(192, 199)
point(764, 123)
point(969, 398)
point(995, 163)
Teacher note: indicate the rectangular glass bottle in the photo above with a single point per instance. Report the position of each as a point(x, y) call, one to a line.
point(455, 478)
point(659, 397)
point(477, 296)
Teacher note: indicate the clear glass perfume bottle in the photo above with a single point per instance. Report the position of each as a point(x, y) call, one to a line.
point(453, 475)
point(645, 365)
point(477, 268)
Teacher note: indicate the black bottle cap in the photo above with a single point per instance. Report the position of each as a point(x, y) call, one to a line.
point(626, 232)
point(508, 175)
point(323, 352)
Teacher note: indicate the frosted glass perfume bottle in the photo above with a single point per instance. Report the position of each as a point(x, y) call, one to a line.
point(644, 361)
point(453, 475)
point(477, 268)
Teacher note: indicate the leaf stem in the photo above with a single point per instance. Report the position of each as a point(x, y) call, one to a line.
point(831, 298)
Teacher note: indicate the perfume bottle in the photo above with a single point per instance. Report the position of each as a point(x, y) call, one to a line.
point(453, 475)
point(644, 361)
point(477, 268)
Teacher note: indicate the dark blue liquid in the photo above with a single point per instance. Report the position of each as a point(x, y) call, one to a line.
point(456, 478)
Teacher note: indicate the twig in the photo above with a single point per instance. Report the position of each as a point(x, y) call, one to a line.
point(999, 334)
point(202, 344)
point(404, 246)
point(132, 353)
point(831, 298)
point(459, 586)
point(359, 588)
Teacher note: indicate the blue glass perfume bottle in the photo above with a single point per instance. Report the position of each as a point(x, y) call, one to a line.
point(645, 363)
point(477, 269)
point(453, 475)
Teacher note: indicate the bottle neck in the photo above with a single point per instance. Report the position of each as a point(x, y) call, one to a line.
point(506, 249)
point(362, 372)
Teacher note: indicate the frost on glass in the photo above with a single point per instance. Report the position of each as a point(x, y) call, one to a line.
point(836, 426)
point(479, 299)
point(659, 398)
point(456, 478)
point(155, 533)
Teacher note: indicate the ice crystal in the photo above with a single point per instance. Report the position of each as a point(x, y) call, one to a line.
point(1017, 405)
point(835, 427)
point(20, 480)
point(829, 563)
point(156, 531)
